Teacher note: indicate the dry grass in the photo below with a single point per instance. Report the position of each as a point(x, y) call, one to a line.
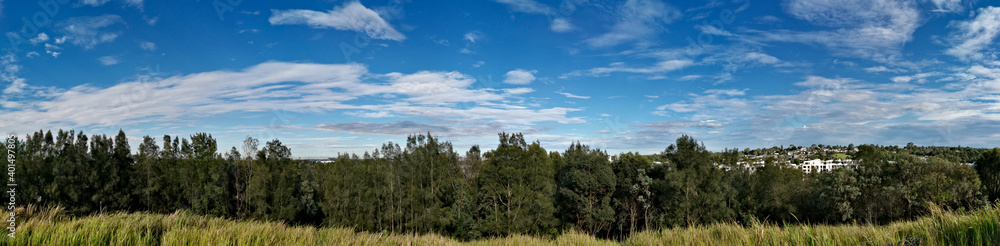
point(52, 227)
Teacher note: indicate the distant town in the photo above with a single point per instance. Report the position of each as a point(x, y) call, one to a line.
point(810, 159)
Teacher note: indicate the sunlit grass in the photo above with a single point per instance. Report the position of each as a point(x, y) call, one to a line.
point(51, 227)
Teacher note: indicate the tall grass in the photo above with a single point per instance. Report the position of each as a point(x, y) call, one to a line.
point(51, 227)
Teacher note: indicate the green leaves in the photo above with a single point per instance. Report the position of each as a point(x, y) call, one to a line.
point(586, 183)
point(988, 167)
point(693, 190)
point(516, 187)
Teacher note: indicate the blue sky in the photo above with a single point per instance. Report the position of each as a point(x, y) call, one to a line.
point(346, 76)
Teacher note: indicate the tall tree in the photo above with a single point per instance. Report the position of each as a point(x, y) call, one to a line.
point(632, 195)
point(988, 167)
point(208, 194)
point(777, 189)
point(146, 176)
point(586, 184)
point(692, 192)
point(516, 185)
point(120, 170)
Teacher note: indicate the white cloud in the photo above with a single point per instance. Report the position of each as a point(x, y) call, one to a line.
point(473, 36)
point(709, 29)
point(139, 4)
point(88, 32)
point(352, 16)
point(761, 58)
point(948, 5)
point(673, 128)
point(518, 91)
point(8, 73)
point(297, 87)
point(108, 60)
point(659, 67)
point(690, 77)
point(871, 29)
point(31, 54)
point(436, 88)
point(51, 49)
point(526, 6)
point(637, 19)
point(844, 110)
point(16, 87)
point(520, 77)
point(976, 35)
point(147, 46)
point(369, 114)
point(561, 25)
point(730, 92)
point(572, 96)
point(734, 59)
point(395, 128)
point(877, 69)
point(407, 127)
point(42, 37)
point(920, 78)
point(94, 2)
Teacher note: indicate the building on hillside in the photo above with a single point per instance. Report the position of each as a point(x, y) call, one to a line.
point(817, 165)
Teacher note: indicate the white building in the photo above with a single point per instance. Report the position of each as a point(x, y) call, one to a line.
point(817, 165)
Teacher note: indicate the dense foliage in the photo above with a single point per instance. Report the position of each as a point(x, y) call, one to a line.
point(515, 188)
point(52, 227)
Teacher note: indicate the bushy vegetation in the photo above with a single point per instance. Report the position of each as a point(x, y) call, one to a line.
point(52, 227)
point(518, 188)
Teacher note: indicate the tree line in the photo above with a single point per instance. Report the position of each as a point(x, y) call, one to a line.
point(425, 186)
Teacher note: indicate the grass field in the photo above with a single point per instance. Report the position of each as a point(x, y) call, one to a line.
point(49, 227)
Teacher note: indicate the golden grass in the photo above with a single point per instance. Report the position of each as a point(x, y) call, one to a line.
point(51, 227)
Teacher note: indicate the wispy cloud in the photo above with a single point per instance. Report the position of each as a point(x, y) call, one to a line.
point(147, 46)
point(134, 3)
point(569, 95)
point(843, 110)
point(108, 60)
point(52, 50)
point(976, 35)
point(526, 6)
point(948, 5)
point(919, 78)
point(871, 29)
point(878, 69)
point(352, 16)
point(42, 37)
point(520, 77)
point(370, 114)
point(659, 67)
point(298, 87)
point(637, 19)
point(9, 68)
point(561, 25)
point(473, 36)
point(94, 2)
point(88, 32)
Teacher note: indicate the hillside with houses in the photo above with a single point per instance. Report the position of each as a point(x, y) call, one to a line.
point(820, 157)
